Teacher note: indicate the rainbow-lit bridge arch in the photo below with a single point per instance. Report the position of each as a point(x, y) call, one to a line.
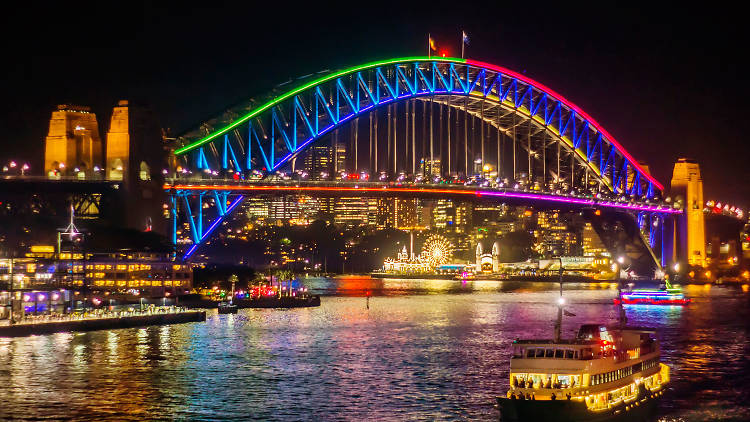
point(273, 133)
point(536, 140)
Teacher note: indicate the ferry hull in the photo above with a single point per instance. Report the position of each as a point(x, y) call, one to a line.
point(513, 410)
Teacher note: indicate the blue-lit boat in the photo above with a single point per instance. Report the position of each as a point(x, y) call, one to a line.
point(669, 295)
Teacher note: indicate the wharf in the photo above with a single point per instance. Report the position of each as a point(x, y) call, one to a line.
point(551, 278)
point(103, 322)
point(262, 302)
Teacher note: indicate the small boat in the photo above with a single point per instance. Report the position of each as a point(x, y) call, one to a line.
point(668, 295)
point(227, 308)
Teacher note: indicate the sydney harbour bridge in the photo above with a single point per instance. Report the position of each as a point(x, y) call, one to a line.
point(426, 127)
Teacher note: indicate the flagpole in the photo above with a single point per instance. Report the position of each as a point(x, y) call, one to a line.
point(429, 47)
point(463, 44)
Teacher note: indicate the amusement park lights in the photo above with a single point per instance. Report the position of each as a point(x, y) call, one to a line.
point(437, 250)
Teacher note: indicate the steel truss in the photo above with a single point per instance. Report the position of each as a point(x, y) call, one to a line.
point(203, 212)
point(529, 133)
point(271, 135)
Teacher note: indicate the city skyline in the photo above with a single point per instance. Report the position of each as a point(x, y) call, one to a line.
point(374, 211)
point(657, 123)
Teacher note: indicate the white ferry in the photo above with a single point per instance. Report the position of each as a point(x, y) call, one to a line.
point(605, 373)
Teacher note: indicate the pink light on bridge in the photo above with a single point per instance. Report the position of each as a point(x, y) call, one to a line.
point(573, 107)
point(477, 193)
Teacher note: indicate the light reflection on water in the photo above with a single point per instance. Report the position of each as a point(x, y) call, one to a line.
point(426, 349)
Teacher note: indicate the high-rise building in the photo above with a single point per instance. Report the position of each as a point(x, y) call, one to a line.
point(386, 213)
point(429, 168)
point(320, 159)
point(687, 185)
point(73, 142)
point(554, 235)
point(284, 208)
point(256, 208)
point(351, 211)
point(406, 213)
point(592, 243)
point(441, 213)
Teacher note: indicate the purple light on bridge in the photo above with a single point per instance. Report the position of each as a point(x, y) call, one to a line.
point(579, 201)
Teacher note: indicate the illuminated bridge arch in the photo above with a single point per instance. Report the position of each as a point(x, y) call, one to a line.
point(270, 136)
point(542, 146)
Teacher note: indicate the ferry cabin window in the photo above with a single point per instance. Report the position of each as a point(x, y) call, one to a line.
point(549, 353)
point(530, 353)
point(539, 353)
point(568, 354)
point(559, 353)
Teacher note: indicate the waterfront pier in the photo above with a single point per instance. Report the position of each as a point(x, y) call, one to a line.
point(105, 321)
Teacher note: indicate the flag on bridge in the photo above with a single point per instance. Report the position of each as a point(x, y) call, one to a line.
point(431, 45)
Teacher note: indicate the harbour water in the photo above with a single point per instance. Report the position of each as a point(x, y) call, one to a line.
point(425, 350)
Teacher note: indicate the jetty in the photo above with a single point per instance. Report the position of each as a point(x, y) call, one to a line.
point(103, 321)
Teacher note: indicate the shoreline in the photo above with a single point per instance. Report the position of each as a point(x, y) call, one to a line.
point(94, 324)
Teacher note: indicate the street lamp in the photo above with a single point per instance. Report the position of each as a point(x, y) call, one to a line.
point(623, 319)
point(560, 303)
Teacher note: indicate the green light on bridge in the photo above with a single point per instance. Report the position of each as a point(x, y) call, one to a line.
point(294, 92)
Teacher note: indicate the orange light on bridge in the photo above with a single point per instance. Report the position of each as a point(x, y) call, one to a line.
point(598, 212)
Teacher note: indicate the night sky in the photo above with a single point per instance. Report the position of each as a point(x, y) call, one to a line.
point(667, 83)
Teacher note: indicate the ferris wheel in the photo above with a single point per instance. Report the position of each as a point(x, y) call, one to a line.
point(437, 250)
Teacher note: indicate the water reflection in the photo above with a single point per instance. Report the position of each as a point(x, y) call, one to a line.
point(426, 349)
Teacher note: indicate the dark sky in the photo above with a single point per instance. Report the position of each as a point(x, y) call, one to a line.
point(666, 82)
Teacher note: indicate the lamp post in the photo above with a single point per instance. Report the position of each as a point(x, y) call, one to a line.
point(622, 318)
point(10, 289)
point(560, 303)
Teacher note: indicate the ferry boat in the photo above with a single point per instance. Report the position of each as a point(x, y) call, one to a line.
point(604, 373)
point(668, 295)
